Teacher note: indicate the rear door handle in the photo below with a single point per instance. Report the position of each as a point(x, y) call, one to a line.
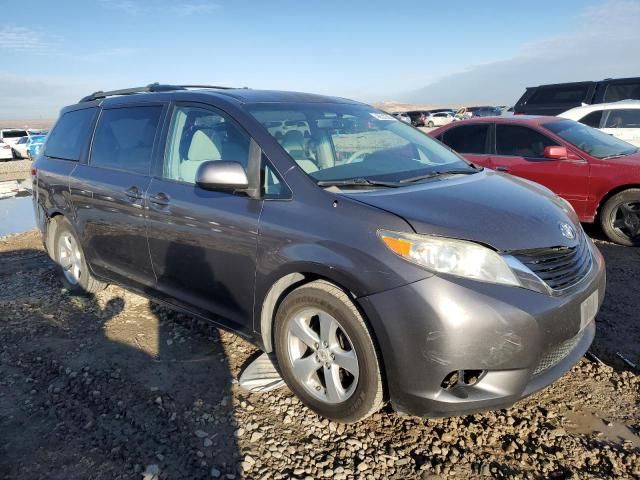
point(502, 169)
point(160, 199)
point(133, 193)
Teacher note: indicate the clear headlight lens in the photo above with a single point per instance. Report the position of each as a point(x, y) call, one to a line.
point(454, 257)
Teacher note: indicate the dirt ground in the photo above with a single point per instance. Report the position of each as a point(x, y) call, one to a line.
point(115, 387)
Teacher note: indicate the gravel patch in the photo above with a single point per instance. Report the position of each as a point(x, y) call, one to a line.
point(116, 387)
point(15, 166)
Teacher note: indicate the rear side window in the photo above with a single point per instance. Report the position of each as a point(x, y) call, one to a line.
point(592, 119)
point(560, 94)
point(519, 141)
point(622, 91)
point(14, 133)
point(124, 138)
point(622, 118)
point(468, 138)
point(70, 134)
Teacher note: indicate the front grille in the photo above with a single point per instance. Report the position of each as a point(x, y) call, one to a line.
point(559, 267)
point(557, 354)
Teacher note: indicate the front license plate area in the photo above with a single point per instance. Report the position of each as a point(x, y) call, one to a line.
point(588, 309)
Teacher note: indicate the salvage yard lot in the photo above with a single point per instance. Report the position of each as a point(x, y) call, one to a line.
point(114, 386)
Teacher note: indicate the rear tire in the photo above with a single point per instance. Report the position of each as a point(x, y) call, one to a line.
point(326, 353)
point(69, 256)
point(430, 124)
point(620, 218)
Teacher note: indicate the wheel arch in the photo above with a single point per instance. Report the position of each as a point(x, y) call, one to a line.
point(614, 191)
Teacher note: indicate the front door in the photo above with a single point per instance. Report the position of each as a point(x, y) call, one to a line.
point(203, 243)
point(109, 199)
point(519, 151)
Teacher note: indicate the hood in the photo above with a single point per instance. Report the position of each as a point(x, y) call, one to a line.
point(498, 210)
point(627, 161)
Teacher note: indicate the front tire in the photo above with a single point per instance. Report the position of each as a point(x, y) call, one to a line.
point(326, 353)
point(620, 218)
point(68, 254)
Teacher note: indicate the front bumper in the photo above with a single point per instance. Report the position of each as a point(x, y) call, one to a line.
point(521, 340)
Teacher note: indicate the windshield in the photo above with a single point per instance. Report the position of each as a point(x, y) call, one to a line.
point(589, 140)
point(332, 142)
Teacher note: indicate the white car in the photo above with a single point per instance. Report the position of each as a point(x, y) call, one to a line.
point(5, 152)
point(439, 119)
point(402, 116)
point(12, 135)
point(20, 148)
point(620, 119)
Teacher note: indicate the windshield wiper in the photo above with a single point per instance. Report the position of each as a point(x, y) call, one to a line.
point(356, 182)
point(620, 154)
point(439, 174)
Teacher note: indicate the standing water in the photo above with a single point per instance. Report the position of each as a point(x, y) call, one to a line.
point(16, 207)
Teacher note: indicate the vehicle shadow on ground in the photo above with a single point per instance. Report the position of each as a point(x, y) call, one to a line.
point(143, 390)
point(617, 325)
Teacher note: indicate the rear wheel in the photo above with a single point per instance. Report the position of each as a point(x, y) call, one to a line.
point(429, 124)
point(326, 353)
point(69, 256)
point(620, 218)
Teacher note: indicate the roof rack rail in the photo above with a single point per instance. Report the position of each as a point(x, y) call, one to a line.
point(152, 87)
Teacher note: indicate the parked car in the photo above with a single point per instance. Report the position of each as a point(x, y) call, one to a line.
point(34, 145)
point(557, 98)
point(5, 152)
point(402, 116)
point(620, 119)
point(596, 173)
point(374, 262)
point(439, 119)
point(11, 136)
point(418, 117)
point(19, 149)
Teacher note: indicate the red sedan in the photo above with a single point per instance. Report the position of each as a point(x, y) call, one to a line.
point(597, 173)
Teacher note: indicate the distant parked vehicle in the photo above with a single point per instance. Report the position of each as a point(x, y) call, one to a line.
point(34, 145)
point(596, 173)
point(19, 150)
point(418, 117)
point(484, 111)
point(560, 97)
point(402, 116)
point(439, 119)
point(620, 119)
point(12, 135)
point(5, 152)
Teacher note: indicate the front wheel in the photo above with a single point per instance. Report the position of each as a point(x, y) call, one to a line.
point(620, 218)
point(430, 124)
point(326, 353)
point(69, 256)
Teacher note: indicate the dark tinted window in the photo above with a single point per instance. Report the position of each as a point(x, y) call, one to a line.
point(70, 134)
point(592, 119)
point(468, 138)
point(124, 138)
point(14, 133)
point(520, 141)
point(622, 118)
point(559, 94)
point(622, 91)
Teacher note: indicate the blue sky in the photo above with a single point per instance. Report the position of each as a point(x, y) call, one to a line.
point(369, 50)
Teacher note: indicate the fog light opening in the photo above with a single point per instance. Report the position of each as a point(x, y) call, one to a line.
point(461, 377)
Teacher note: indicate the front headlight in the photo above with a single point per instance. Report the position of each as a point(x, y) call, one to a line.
point(453, 257)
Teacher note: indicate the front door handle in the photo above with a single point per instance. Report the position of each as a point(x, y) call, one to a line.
point(160, 199)
point(502, 169)
point(133, 193)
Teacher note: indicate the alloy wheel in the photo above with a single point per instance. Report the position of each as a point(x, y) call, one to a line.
point(70, 258)
point(626, 219)
point(322, 356)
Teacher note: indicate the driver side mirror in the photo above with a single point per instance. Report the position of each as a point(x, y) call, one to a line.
point(222, 176)
point(559, 153)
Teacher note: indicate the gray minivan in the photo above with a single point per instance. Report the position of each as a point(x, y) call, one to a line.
point(374, 262)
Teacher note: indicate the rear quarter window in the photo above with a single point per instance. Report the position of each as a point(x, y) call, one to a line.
point(592, 119)
point(70, 134)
